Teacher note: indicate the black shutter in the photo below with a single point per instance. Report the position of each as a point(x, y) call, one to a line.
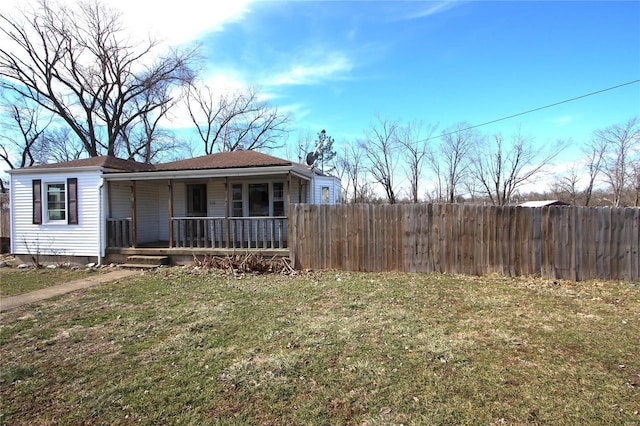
point(72, 201)
point(37, 201)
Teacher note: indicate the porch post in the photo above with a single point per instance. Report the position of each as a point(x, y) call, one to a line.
point(109, 199)
point(134, 215)
point(288, 189)
point(170, 213)
point(226, 211)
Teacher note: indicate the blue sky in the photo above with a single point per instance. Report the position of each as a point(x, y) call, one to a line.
point(336, 65)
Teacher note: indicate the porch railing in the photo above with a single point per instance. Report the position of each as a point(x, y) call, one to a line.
point(120, 232)
point(234, 232)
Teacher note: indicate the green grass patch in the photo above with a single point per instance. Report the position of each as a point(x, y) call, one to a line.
point(15, 281)
point(332, 348)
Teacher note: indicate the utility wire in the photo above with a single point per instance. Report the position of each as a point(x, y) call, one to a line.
point(533, 110)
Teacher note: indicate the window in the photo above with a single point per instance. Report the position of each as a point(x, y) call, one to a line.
point(325, 194)
point(237, 209)
point(258, 199)
point(278, 199)
point(59, 201)
point(56, 201)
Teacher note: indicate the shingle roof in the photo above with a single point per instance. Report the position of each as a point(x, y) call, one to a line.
point(225, 160)
point(108, 162)
point(222, 160)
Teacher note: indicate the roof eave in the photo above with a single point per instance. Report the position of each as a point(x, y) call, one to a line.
point(209, 173)
point(42, 170)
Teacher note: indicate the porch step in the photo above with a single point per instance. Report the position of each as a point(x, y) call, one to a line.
point(142, 261)
point(138, 266)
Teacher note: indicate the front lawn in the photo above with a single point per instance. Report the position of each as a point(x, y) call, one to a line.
point(18, 281)
point(174, 346)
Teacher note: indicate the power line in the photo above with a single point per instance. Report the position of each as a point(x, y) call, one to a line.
point(533, 110)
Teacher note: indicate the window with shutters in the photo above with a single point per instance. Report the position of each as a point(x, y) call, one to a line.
point(55, 202)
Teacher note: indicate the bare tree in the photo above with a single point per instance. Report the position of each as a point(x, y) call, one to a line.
point(351, 162)
point(502, 167)
point(22, 138)
point(415, 142)
point(437, 194)
point(635, 179)
point(235, 121)
point(567, 186)
point(381, 149)
point(303, 146)
point(76, 62)
point(60, 144)
point(622, 143)
point(453, 157)
point(595, 155)
point(144, 138)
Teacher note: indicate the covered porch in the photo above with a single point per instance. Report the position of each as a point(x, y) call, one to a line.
point(184, 217)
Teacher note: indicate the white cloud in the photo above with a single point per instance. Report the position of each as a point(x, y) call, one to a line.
point(562, 121)
point(180, 22)
point(434, 7)
point(298, 110)
point(313, 70)
point(167, 21)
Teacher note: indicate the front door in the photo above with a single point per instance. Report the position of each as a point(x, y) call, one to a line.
point(197, 200)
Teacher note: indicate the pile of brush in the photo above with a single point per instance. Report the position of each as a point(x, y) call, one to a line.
point(248, 263)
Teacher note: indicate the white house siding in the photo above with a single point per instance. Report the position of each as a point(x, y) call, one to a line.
point(330, 182)
point(148, 218)
point(179, 199)
point(163, 212)
point(120, 199)
point(295, 191)
point(215, 198)
point(56, 238)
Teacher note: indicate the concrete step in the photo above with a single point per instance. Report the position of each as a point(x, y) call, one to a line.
point(138, 266)
point(148, 260)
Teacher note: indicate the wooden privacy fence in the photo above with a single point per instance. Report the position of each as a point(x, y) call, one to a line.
point(575, 243)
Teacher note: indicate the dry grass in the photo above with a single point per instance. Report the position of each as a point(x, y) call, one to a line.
point(18, 281)
point(331, 348)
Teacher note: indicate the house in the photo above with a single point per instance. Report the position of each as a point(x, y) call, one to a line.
point(104, 208)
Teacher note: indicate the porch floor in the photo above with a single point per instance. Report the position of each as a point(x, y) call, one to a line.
point(185, 255)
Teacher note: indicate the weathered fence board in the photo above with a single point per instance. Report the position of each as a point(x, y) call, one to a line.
point(575, 243)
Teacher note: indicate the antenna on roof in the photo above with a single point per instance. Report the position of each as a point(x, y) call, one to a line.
point(313, 156)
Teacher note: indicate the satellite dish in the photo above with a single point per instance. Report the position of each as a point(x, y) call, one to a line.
point(311, 158)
